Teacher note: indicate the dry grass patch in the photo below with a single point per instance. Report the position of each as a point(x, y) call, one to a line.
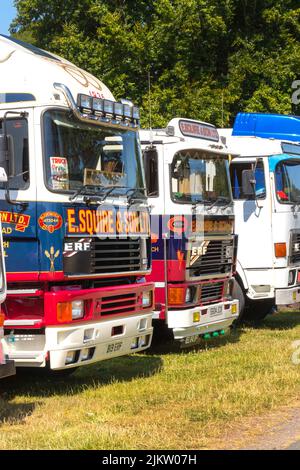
point(162, 400)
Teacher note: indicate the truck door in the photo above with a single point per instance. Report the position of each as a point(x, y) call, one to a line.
point(253, 215)
point(18, 204)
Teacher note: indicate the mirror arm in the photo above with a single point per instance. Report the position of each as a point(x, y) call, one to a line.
point(10, 201)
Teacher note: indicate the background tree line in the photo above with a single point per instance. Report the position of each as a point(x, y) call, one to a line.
point(207, 59)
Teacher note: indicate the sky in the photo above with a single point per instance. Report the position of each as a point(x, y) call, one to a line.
point(7, 14)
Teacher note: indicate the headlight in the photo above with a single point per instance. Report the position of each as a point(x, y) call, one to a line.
point(147, 299)
point(71, 357)
point(188, 295)
point(228, 289)
point(292, 275)
point(68, 311)
point(77, 309)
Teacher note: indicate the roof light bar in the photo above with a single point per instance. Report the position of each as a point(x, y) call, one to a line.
point(120, 111)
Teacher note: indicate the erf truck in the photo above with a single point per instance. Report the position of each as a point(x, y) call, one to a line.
point(7, 367)
point(192, 229)
point(265, 182)
point(74, 215)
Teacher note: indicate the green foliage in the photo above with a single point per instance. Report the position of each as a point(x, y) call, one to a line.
point(208, 59)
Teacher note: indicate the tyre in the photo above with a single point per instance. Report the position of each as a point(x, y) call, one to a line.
point(257, 310)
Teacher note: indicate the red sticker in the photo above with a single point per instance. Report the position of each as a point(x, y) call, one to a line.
point(177, 224)
point(50, 221)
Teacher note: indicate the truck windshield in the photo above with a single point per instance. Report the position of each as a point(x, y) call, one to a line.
point(287, 177)
point(198, 175)
point(78, 154)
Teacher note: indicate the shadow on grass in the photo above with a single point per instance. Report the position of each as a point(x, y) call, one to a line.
point(282, 320)
point(12, 413)
point(163, 342)
point(40, 383)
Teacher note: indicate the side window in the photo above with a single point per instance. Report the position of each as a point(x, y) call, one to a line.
point(151, 171)
point(18, 130)
point(236, 175)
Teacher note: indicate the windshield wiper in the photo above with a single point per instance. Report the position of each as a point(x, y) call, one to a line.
point(101, 193)
point(80, 191)
point(137, 195)
point(201, 201)
point(220, 199)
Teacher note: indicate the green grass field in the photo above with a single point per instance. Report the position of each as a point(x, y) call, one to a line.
point(160, 400)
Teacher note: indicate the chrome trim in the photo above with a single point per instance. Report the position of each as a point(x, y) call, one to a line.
point(109, 275)
point(21, 322)
point(209, 277)
point(22, 291)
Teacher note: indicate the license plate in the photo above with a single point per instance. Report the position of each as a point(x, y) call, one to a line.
point(295, 296)
point(114, 347)
point(215, 311)
point(191, 339)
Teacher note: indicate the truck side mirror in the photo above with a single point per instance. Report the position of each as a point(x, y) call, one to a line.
point(7, 157)
point(248, 183)
point(151, 171)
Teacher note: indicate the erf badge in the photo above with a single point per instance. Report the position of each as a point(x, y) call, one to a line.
point(50, 221)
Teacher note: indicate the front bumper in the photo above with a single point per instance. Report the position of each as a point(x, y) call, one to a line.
point(287, 296)
point(213, 318)
point(7, 368)
point(88, 342)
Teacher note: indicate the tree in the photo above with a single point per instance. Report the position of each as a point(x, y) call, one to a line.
point(207, 59)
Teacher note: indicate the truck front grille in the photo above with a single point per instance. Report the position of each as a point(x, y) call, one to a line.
point(118, 304)
point(210, 258)
point(111, 256)
point(106, 257)
point(295, 248)
point(212, 292)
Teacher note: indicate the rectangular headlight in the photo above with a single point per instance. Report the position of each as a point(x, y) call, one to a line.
point(71, 357)
point(118, 109)
point(135, 113)
point(108, 106)
point(127, 111)
point(77, 309)
point(188, 295)
point(147, 299)
point(85, 101)
point(98, 105)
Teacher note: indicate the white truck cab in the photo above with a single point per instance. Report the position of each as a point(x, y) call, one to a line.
point(192, 229)
point(265, 181)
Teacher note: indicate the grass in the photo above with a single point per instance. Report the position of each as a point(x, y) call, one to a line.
point(160, 400)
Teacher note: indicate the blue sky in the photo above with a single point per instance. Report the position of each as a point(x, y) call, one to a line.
point(7, 14)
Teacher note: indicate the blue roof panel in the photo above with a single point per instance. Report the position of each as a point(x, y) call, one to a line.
point(276, 126)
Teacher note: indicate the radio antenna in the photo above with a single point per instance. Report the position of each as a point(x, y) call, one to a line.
point(149, 97)
point(149, 105)
point(222, 109)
